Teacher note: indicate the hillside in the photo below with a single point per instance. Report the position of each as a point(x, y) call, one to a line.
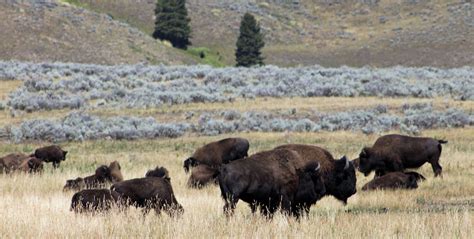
point(52, 31)
point(327, 32)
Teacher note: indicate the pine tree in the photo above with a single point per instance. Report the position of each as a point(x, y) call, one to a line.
point(250, 42)
point(172, 22)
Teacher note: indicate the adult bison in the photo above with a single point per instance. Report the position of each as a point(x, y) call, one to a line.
point(216, 153)
point(31, 165)
point(92, 200)
point(99, 179)
point(392, 153)
point(115, 172)
point(338, 175)
point(152, 192)
point(270, 180)
point(52, 153)
point(395, 180)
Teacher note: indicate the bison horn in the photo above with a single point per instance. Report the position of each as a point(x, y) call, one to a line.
point(317, 168)
point(346, 166)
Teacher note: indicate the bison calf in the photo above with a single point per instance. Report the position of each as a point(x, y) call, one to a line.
point(395, 153)
point(152, 192)
point(100, 178)
point(395, 180)
point(92, 200)
point(52, 153)
point(216, 153)
point(202, 175)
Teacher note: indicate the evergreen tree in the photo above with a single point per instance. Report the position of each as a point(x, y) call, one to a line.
point(172, 22)
point(250, 42)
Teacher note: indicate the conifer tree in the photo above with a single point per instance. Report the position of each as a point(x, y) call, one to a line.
point(250, 42)
point(172, 22)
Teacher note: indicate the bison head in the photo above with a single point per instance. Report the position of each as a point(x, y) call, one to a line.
point(188, 163)
point(344, 179)
point(74, 184)
point(159, 172)
point(368, 161)
point(102, 173)
point(64, 155)
point(115, 172)
point(311, 184)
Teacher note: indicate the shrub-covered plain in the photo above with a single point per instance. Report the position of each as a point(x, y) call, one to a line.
point(50, 86)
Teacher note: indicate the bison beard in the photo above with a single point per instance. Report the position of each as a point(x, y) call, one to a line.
point(268, 180)
point(395, 153)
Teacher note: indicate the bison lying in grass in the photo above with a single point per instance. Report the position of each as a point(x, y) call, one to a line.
point(395, 180)
point(93, 200)
point(395, 153)
point(270, 180)
point(152, 192)
point(202, 175)
point(338, 175)
point(52, 153)
point(103, 175)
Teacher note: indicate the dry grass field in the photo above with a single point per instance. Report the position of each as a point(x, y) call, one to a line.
point(35, 206)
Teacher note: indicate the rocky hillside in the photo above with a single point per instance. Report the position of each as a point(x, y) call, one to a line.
point(327, 32)
point(54, 31)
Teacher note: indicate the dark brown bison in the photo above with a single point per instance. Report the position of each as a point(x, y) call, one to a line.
point(115, 172)
point(395, 153)
point(216, 153)
point(52, 153)
point(99, 179)
point(11, 162)
point(202, 175)
point(395, 180)
point(151, 192)
point(93, 200)
point(270, 180)
point(338, 175)
point(158, 172)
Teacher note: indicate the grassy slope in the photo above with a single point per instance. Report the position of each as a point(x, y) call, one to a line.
point(69, 34)
point(425, 33)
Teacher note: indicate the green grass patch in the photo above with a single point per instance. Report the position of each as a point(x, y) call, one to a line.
point(207, 56)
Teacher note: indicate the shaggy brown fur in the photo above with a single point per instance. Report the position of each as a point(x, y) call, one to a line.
point(93, 200)
point(202, 175)
point(395, 180)
point(52, 153)
point(115, 172)
point(98, 180)
point(395, 153)
point(31, 165)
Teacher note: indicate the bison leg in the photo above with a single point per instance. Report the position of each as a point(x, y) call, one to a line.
point(56, 164)
point(437, 169)
point(229, 206)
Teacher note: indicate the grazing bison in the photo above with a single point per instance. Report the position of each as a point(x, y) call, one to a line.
point(11, 162)
point(216, 153)
point(115, 172)
point(338, 175)
point(92, 200)
point(394, 180)
point(395, 153)
point(101, 177)
point(31, 165)
point(268, 179)
point(151, 192)
point(202, 175)
point(52, 153)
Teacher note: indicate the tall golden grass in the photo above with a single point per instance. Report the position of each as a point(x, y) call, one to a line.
point(34, 206)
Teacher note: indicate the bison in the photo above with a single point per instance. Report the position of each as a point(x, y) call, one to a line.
point(216, 153)
point(21, 162)
point(395, 153)
point(115, 172)
point(99, 179)
point(92, 200)
point(158, 172)
point(394, 180)
point(151, 192)
point(52, 153)
point(269, 179)
point(338, 175)
point(31, 165)
point(202, 175)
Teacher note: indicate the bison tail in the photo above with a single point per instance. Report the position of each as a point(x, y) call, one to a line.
point(442, 141)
